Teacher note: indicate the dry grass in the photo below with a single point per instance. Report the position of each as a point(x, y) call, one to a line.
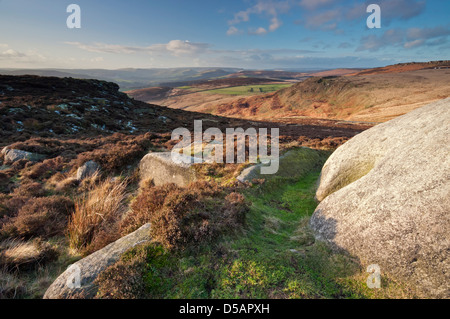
point(100, 207)
point(11, 286)
point(17, 254)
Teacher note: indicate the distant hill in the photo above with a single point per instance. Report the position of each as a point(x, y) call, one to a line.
point(405, 67)
point(373, 95)
point(129, 79)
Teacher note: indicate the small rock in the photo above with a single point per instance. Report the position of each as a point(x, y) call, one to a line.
point(162, 169)
point(87, 170)
point(13, 155)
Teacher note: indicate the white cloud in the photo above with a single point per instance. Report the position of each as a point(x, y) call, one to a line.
point(328, 14)
point(269, 8)
point(313, 4)
point(408, 39)
point(97, 59)
point(14, 58)
point(258, 31)
point(412, 44)
point(174, 47)
point(233, 31)
point(10, 53)
point(177, 47)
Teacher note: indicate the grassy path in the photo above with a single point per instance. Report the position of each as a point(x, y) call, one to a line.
point(278, 256)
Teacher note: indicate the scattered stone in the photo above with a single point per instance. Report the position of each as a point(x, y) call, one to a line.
point(385, 199)
point(162, 169)
point(13, 155)
point(89, 268)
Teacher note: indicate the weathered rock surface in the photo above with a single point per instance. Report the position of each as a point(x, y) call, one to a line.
point(162, 169)
point(87, 170)
point(385, 198)
point(91, 266)
point(13, 155)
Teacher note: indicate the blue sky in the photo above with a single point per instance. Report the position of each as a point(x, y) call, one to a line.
point(255, 34)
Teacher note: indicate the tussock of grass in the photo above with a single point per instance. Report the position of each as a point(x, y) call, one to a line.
point(103, 203)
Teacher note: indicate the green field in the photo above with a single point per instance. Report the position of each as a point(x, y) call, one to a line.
point(249, 89)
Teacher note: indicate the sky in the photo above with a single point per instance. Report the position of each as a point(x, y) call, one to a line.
point(251, 34)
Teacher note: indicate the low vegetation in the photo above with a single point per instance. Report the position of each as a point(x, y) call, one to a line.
point(273, 255)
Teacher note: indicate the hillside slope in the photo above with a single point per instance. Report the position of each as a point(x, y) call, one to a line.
point(373, 96)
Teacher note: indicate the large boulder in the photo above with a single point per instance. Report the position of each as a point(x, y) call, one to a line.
point(86, 170)
point(89, 268)
point(163, 169)
point(385, 198)
point(12, 155)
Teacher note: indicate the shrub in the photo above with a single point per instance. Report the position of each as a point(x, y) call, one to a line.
point(5, 179)
point(44, 217)
point(126, 279)
point(66, 185)
point(9, 208)
point(45, 169)
point(118, 152)
point(29, 190)
point(92, 224)
point(150, 200)
point(3, 208)
point(181, 217)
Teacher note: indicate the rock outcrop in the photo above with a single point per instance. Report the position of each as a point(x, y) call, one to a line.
point(88, 269)
point(13, 155)
point(385, 199)
point(162, 169)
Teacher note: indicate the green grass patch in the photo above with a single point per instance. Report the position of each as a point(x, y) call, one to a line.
point(249, 89)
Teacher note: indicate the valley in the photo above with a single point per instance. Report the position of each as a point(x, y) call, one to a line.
point(373, 95)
